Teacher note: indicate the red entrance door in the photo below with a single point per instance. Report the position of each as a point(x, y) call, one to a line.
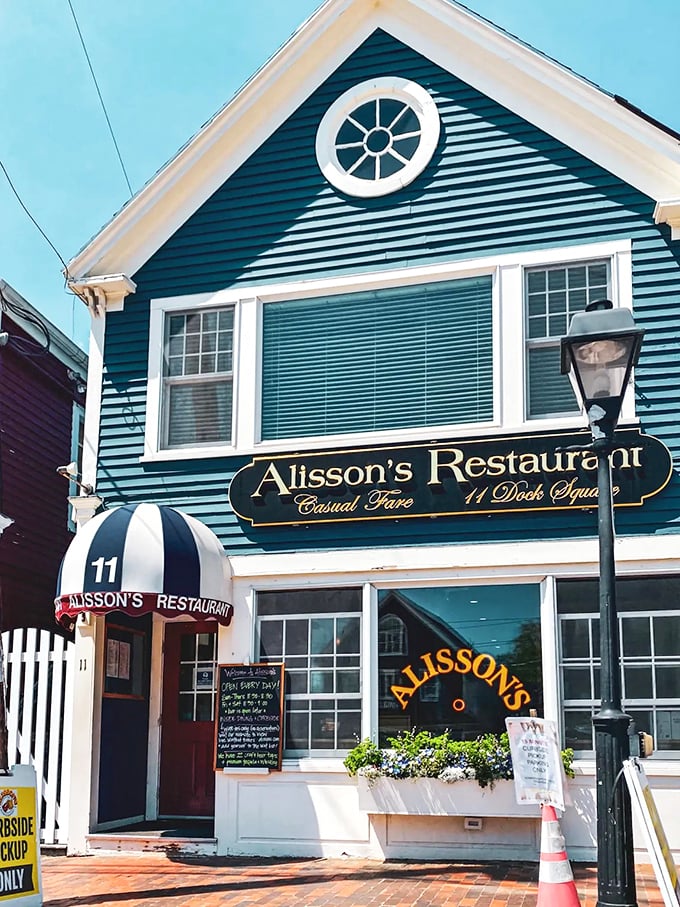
point(187, 785)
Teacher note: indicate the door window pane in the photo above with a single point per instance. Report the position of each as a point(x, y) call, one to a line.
point(197, 676)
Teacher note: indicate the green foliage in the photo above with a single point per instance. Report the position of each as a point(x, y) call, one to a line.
point(365, 754)
point(419, 754)
point(568, 762)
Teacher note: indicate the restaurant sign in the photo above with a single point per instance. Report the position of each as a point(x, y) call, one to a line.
point(553, 471)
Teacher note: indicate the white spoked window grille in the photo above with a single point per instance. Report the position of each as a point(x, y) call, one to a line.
point(552, 296)
point(198, 378)
point(378, 137)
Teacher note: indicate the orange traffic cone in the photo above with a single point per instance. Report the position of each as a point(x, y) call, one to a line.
point(556, 886)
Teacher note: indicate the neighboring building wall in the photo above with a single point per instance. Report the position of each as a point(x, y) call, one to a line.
point(36, 432)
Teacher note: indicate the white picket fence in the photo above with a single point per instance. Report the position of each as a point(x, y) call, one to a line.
point(39, 668)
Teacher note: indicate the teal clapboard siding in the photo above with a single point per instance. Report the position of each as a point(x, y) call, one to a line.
point(496, 184)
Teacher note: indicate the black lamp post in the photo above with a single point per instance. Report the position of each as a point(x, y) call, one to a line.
point(599, 352)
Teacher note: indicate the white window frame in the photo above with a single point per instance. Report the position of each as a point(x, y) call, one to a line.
point(509, 346)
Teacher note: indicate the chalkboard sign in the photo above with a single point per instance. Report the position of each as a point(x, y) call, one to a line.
point(248, 732)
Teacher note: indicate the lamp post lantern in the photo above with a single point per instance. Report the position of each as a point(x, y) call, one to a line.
point(599, 352)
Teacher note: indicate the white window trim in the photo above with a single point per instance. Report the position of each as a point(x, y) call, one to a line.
point(509, 344)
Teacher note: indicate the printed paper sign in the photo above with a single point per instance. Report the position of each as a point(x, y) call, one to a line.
point(536, 761)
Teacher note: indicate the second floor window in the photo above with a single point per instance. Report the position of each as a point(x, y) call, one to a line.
point(198, 378)
point(552, 296)
point(392, 358)
point(429, 352)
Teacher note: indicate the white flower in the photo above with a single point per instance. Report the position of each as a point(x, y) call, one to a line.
point(454, 773)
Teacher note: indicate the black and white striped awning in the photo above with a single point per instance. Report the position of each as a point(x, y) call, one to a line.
point(143, 558)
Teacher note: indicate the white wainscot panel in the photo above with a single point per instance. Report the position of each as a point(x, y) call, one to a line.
point(312, 810)
point(579, 822)
point(445, 837)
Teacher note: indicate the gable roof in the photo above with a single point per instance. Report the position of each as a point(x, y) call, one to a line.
point(600, 126)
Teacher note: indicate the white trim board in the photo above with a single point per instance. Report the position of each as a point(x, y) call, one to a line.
point(536, 88)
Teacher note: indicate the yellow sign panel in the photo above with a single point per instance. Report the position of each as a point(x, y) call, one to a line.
point(19, 852)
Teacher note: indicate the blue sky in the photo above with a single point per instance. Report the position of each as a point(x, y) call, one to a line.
point(165, 68)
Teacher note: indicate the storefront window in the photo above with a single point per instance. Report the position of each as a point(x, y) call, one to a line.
point(649, 630)
point(471, 657)
point(317, 634)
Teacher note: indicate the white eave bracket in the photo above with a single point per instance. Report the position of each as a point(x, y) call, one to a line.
point(668, 212)
point(103, 293)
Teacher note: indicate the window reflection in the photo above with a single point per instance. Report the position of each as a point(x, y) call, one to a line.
point(460, 659)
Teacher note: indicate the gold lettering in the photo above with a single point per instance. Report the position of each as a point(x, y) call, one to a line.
point(333, 477)
point(309, 504)
point(558, 463)
point(356, 471)
point(589, 461)
point(436, 465)
point(476, 667)
point(273, 477)
point(496, 465)
point(403, 472)
point(427, 659)
point(528, 464)
point(463, 661)
point(388, 499)
point(444, 661)
point(402, 694)
point(571, 456)
point(316, 478)
point(504, 681)
point(418, 681)
point(381, 473)
point(516, 699)
point(478, 463)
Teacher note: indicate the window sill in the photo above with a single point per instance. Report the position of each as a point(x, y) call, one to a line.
point(332, 765)
point(655, 767)
point(189, 453)
point(393, 436)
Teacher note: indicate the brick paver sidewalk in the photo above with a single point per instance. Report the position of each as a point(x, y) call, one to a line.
point(157, 880)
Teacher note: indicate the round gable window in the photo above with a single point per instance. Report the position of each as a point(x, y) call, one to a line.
point(377, 137)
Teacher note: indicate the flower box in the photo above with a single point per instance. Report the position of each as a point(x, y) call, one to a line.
point(431, 797)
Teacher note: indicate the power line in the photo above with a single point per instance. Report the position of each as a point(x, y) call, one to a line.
point(101, 99)
point(67, 276)
point(35, 222)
